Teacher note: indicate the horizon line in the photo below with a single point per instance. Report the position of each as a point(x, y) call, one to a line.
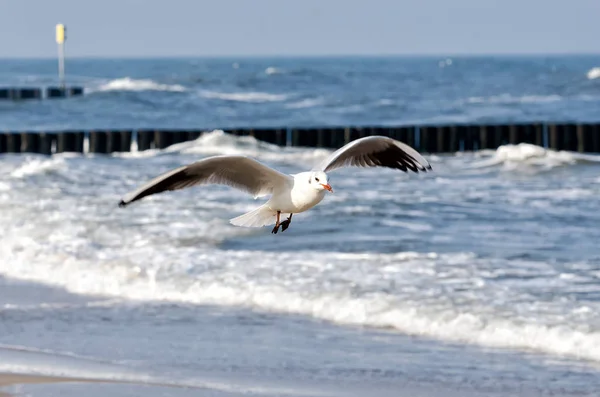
point(308, 55)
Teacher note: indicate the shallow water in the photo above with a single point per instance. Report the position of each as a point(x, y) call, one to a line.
point(480, 276)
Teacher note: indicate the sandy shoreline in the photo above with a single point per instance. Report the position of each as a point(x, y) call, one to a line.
point(11, 379)
point(14, 379)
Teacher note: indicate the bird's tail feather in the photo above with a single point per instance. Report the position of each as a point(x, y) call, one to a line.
point(261, 216)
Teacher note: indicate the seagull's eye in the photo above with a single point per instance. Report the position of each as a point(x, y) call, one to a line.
point(317, 179)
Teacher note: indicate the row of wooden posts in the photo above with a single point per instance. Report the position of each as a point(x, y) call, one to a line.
point(429, 139)
point(26, 93)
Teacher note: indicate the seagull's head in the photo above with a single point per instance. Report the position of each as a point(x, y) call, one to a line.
point(318, 180)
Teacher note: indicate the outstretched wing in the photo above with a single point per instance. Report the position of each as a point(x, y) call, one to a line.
point(239, 172)
point(376, 151)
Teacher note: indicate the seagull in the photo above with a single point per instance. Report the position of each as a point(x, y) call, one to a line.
point(290, 194)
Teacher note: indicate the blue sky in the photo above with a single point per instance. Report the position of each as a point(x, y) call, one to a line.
point(135, 28)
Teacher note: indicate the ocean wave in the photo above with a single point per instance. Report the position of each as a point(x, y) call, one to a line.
point(254, 96)
point(129, 84)
point(529, 154)
point(218, 142)
point(444, 63)
point(593, 73)
point(273, 70)
point(306, 103)
point(386, 102)
point(123, 275)
point(88, 247)
point(35, 166)
point(510, 99)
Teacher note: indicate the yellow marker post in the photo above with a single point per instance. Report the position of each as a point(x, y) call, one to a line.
point(60, 33)
point(61, 36)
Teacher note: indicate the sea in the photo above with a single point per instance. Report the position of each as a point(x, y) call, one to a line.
point(480, 278)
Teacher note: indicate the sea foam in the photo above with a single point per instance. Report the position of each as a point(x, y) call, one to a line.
point(253, 96)
point(218, 142)
point(593, 73)
point(129, 84)
point(533, 155)
point(141, 273)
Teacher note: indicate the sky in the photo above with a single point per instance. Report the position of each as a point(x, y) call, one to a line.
point(157, 28)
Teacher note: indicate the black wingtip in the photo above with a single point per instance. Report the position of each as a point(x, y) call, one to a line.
point(122, 204)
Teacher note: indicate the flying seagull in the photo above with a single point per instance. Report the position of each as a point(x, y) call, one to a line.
point(290, 194)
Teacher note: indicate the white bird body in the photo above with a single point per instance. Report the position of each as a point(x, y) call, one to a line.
point(290, 194)
point(293, 197)
point(299, 198)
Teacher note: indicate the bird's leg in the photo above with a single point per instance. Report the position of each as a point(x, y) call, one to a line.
point(285, 224)
point(277, 224)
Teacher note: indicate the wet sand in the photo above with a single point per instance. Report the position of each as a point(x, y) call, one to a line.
point(10, 379)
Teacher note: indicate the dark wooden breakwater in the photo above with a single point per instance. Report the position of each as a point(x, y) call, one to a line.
point(25, 93)
point(428, 139)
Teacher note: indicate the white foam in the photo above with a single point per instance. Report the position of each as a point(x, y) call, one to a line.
point(412, 226)
point(593, 73)
point(525, 151)
point(444, 63)
point(510, 99)
point(129, 84)
point(273, 70)
point(305, 103)
point(87, 248)
point(34, 166)
point(253, 96)
point(218, 142)
point(529, 154)
point(284, 282)
point(375, 309)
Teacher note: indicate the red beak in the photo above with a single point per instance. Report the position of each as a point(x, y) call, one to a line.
point(328, 187)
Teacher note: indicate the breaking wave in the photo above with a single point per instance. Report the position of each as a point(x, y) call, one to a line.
point(137, 274)
point(243, 96)
point(510, 99)
point(273, 70)
point(593, 73)
point(218, 142)
point(129, 84)
point(306, 103)
point(529, 154)
point(34, 165)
